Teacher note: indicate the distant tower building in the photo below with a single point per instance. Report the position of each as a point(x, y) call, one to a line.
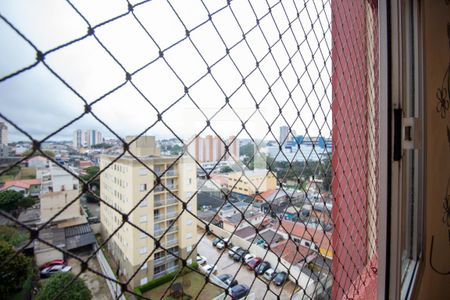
point(211, 148)
point(3, 134)
point(86, 138)
point(77, 139)
point(284, 133)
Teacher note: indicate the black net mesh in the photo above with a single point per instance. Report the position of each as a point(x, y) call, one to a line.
point(229, 128)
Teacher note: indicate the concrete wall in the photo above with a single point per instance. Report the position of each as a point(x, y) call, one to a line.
point(52, 203)
point(47, 254)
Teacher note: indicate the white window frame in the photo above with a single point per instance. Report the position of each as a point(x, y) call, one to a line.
point(397, 81)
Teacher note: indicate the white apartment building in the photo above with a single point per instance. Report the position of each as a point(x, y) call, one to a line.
point(86, 138)
point(58, 189)
point(129, 185)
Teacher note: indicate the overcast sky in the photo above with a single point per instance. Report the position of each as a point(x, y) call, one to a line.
point(40, 103)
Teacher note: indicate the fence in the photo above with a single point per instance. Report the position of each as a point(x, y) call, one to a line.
point(284, 92)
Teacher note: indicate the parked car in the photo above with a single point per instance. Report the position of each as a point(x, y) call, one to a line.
point(228, 280)
point(208, 269)
point(262, 267)
point(233, 250)
point(280, 278)
point(201, 259)
point(254, 262)
point(222, 243)
point(239, 291)
point(248, 257)
point(269, 274)
point(216, 241)
point(240, 254)
point(52, 263)
point(47, 272)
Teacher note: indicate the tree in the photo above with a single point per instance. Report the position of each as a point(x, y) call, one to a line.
point(102, 146)
point(75, 290)
point(14, 272)
point(29, 152)
point(226, 169)
point(91, 172)
point(12, 236)
point(12, 201)
point(9, 200)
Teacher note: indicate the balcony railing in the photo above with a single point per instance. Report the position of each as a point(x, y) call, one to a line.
point(171, 173)
point(159, 261)
point(171, 269)
point(159, 189)
point(172, 187)
point(171, 200)
point(171, 242)
point(173, 228)
point(158, 203)
point(159, 232)
point(171, 214)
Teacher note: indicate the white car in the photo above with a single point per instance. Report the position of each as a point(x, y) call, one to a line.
point(248, 257)
point(269, 274)
point(221, 245)
point(47, 272)
point(201, 259)
point(233, 250)
point(207, 269)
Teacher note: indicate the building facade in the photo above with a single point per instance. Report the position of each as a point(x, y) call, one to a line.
point(159, 214)
point(86, 138)
point(284, 134)
point(3, 134)
point(211, 148)
point(254, 182)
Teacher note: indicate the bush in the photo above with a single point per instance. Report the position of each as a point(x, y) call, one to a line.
point(12, 236)
point(76, 290)
point(164, 279)
point(15, 272)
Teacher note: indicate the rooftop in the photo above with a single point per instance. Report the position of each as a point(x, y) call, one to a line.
point(23, 183)
point(316, 235)
point(291, 252)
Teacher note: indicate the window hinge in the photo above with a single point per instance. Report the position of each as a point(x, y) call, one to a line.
point(411, 133)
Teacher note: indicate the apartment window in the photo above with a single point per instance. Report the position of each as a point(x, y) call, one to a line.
point(142, 235)
point(143, 187)
point(189, 235)
point(143, 281)
point(189, 248)
point(159, 255)
point(143, 219)
point(143, 171)
point(156, 214)
point(143, 250)
point(159, 269)
point(189, 221)
point(143, 203)
point(144, 266)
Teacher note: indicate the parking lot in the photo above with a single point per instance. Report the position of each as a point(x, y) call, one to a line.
point(226, 265)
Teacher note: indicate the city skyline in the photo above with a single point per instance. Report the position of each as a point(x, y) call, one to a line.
point(48, 104)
